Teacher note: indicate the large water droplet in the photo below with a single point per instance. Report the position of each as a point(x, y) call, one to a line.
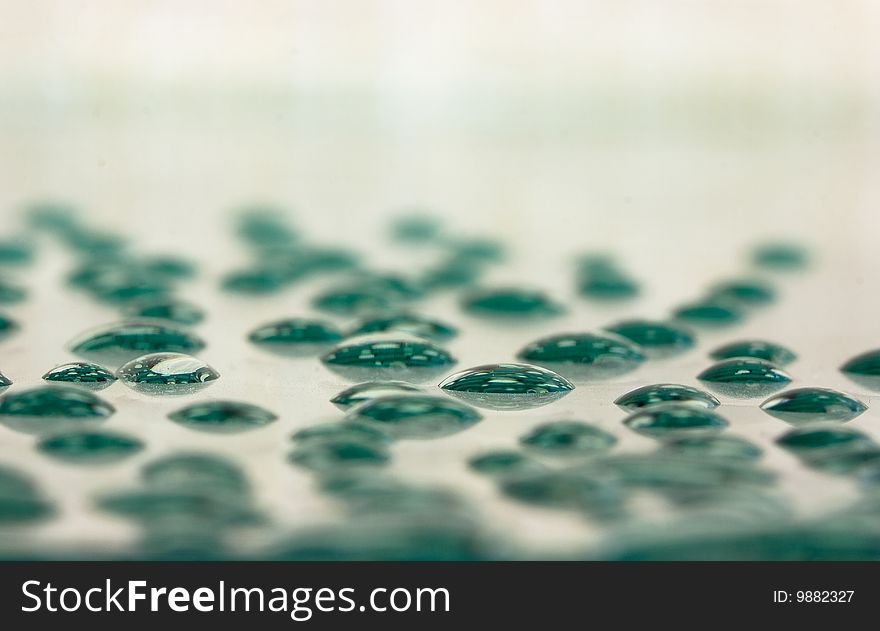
point(568, 438)
point(584, 355)
point(654, 338)
point(507, 386)
point(409, 360)
point(759, 349)
point(864, 369)
point(173, 310)
point(167, 374)
point(296, 337)
point(48, 408)
point(223, 417)
point(744, 377)
point(416, 416)
point(410, 324)
point(803, 405)
point(82, 374)
point(822, 436)
point(117, 343)
point(370, 390)
point(511, 303)
point(671, 420)
point(665, 393)
point(90, 446)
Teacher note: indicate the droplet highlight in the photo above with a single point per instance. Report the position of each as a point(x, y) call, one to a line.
point(167, 374)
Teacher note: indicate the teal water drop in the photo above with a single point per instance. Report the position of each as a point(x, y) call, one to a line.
point(339, 454)
point(416, 415)
point(450, 273)
point(47, 408)
point(370, 390)
point(120, 342)
point(223, 417)
point(415, 229)
point(584, 355)
point(511, 303)
point(8, 326)
point(501, 462)
point(744, 377)
point(759, 349)
point(568, 438)
point(780, 256)
point(724, 447)
point(803, 405)
point(344, 430)
point(167, 374)
point(507, 386)
point(11, 294)
point(83, 374)
point(256, 280)
point(168, 266)
point(16, 251)
point(196, 471)
point(671, 420)
point(408, 360)
point(20, 500)
point(822, 437)
point(654, 338)
point(90, 446)
point(708, 313)
point(744, 292)
point(173, 310)
point(600, 278)
point(864, 369)
point(476, 249)
point(410, 324)
point(296, 337)
point(354, 300)
point(587, 491)
point(665, 393)
point(5, 382)
point(186, 508)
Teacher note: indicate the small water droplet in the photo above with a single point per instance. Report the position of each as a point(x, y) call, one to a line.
point(354, 300)
point(780, 256)
point(410, 324)
point(370, 390)
point(507, 386)
point(167, 374)
point(90, 446)
point(584, 355)
point(568, 438)
point(341, 453)
point(223, 417)
point(11, 294)
point(8, 326)
point(745, 292)
point(655, 339)
point(344, 430)
point(759, 349)
point(501, 463)
point(257, 279)
point(296, 337)
point(173, 310)
point(864, 369)
point(601, 279)
point(415, 229)
point(665, 393)
point(16, 251)
point(744, 377)
point(725, 447)
point(708, 313)
point(83, 374)
point(803, 405)
point(671, 420)
point(416, 415)
point(47, 408)
point(117, 343)
point(394, 358)
point(511, 303)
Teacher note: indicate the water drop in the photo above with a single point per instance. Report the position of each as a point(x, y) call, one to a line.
point(584, 355)
point(409, 360)
point(16, 251)
point(370, 390)
point(8, 326)
point(821, 437)
point(708, 313)
point(671, 420)
point(410, 324)
point(655, 339)
point(47, 408)
point(354, 300)
point(262, 279)
point(416, 416)
point(744, 292)
point(501, 463)
point(507, 386)
point(90, 446)
point(178, 311)
point(803, 405)
point(5, 382)
point(568, 438)
point(665, 393)
point(120, 342)
point(195, 471)
point(223, 417)
point(10, 293)
point(723, 447)
point(296, 337)
point(864, 369)
point(167, 374)
point(345, 430)
point(744, 377)
point(759, 349)
point(511, 303)
point(415, 229)
point(780, 256)
point(339, 454)
point(573, 489)
point(20, 499)
point(83, 374)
